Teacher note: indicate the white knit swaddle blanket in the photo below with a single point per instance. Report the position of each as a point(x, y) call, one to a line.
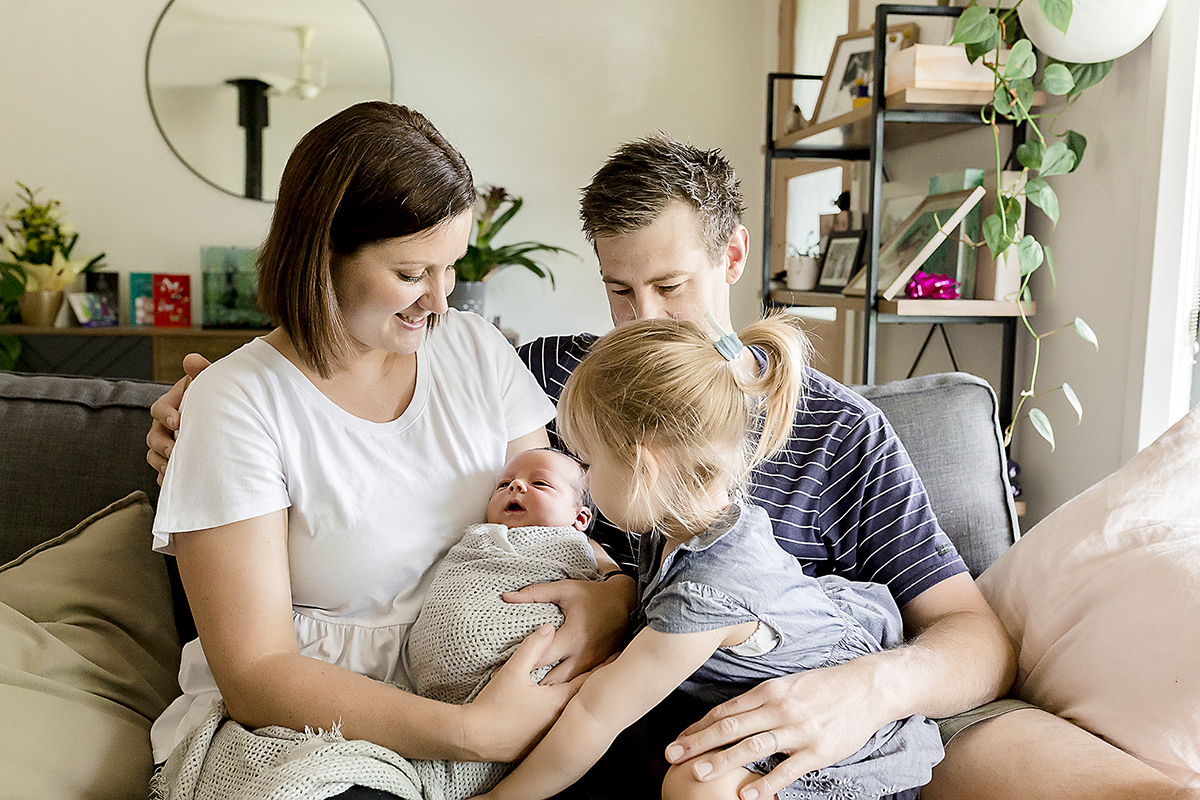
point(463, 633)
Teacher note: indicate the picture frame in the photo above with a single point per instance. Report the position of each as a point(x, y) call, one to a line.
point(92, 310)
point(915, 240)
point(850, 66)
point(839, 262)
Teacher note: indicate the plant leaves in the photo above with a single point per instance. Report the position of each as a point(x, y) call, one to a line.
point(1076, 143)
point(1002, 101)
point(993, 234)
point(976, 24)
point(1056, 79)
point(1029, 253)
point(1030, 154)
point(1041, 195)
point(1041, 424)
point(1073, 400)
point(1022, 63)
point(977, 50)
point(1057, 13)
point(1087, 75)
point(1009, 208)
point(1086, 333)
point(1058, 160)
point(1024, 89)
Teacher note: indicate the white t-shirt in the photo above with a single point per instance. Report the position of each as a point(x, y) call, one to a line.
point(372, 507)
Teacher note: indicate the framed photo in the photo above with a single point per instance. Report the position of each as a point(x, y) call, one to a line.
point(92, 310)
point(840, 262)
point(851, 71)
point(915, 240)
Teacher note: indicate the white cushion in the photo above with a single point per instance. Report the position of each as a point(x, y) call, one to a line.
point(1102, 602)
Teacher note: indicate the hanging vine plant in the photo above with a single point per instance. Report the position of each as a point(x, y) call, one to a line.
point(984, 32)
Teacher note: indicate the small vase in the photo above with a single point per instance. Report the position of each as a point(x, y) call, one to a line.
point(40, 308)
point(468, 296)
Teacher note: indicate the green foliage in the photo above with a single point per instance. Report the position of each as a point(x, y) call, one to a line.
point(482, 259)
point(982, 30)
point(39, 244)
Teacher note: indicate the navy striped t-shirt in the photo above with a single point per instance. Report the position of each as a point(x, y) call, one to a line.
point(843, 496)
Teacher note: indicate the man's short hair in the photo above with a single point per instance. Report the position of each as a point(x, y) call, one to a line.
point(633, 187)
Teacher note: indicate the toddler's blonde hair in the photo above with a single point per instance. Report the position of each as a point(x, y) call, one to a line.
point(661, 386)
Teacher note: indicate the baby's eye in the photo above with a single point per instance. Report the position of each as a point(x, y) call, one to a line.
point(544, 484)
point(503, 484)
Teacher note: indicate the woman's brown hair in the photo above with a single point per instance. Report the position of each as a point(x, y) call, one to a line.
point(661, 385)
point(374, 171)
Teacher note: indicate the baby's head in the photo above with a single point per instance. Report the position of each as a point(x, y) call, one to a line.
point(541, 487)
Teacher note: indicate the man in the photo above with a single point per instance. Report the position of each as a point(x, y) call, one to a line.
point(665, 220)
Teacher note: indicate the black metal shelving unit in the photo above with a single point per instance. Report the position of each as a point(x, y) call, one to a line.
point(823, 145)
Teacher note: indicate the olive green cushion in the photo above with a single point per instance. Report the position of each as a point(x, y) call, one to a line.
point(88, 658)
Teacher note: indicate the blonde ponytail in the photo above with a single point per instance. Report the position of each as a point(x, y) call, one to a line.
point(662, 385)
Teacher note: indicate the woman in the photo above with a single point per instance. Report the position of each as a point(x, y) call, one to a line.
point(323, 469)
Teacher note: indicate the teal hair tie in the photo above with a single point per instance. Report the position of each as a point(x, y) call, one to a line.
point(727, 344)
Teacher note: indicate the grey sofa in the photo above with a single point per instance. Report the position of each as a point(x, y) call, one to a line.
point(75, 446)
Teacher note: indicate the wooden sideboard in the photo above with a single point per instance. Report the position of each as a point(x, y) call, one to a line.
point(122, 351)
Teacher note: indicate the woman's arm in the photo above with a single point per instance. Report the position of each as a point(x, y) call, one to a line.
point(238, 585)
point(614, 697)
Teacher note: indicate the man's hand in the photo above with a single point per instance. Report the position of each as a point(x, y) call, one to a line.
point(165, 411)
point(596, 626)
point(816, 718)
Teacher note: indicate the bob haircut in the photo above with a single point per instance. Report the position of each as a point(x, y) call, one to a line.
point(374, 171)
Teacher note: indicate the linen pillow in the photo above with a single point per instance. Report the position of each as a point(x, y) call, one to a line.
point(1101, 600)
point(88, 658)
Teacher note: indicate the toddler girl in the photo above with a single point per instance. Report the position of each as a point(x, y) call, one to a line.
point(671, 425)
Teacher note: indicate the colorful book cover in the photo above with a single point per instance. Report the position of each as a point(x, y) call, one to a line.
point(141, 298)
point(104, 285)
point(172, 301)
point(230, 289)
point(92, 310)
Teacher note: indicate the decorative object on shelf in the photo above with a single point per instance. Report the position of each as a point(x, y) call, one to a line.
point(937, 66)
point(91, 310)
point(803, 265)
point(999, 278)
point(106, 286)
point(923, 286)
point(482, 260)
point(958, 256)
point(897, 205)
point(840, 262)
point(230, 288)
point(141, 298)
point(468, 296)
point(1100, 30)
point(986, 30)
point(39, 307)
point(851, 69)
point(172, 296)
point(915, 240)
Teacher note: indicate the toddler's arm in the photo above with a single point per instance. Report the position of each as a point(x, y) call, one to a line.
point(612, 698)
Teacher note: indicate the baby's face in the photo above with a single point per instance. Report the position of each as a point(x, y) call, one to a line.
point(539, 487)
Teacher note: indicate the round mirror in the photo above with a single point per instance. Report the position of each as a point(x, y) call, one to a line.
point(234, 84)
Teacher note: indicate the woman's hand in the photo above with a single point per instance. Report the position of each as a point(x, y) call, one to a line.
point(165, 412)
point(596, 626)
point(513, 713)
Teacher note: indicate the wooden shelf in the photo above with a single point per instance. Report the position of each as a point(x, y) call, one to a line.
point(133, 330)
point(904, 307)
point(853, 129)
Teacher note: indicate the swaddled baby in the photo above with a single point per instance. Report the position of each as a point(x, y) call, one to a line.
point(536, 533)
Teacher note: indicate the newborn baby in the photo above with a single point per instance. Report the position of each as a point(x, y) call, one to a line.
point(536, 533)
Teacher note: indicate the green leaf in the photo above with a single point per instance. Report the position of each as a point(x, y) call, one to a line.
point(1002, 101)
point(1073, 400)
point(1022, 63)
point(10, 350)
point(977, 50)
point(1087, 75)
point(1058, 160)
point(1076, 143)
point(1041, 424)
point(1042, 196)
point(1010, 209)
point(1057, 13)
point(1056, 79)
point(1050, 266)
point(1024, 89)
point(1086, 333)
point(1030, 154)
point(1029, 253)
point(977, 24)
point(993, 234)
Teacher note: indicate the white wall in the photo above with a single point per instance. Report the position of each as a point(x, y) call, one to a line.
point(536, 94)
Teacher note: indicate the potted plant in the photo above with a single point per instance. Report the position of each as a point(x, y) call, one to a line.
point(37, 266)
point(984, 30)
point(482, 260)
